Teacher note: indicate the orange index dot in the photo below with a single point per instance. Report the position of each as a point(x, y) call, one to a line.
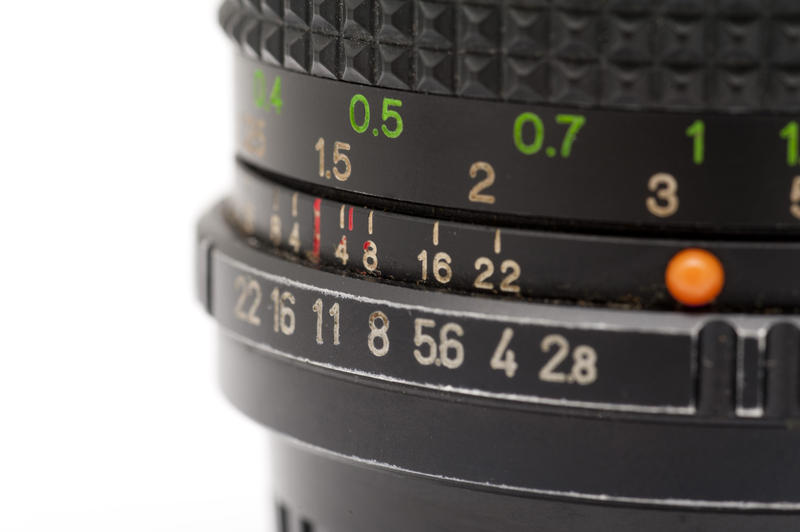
point(695, 277)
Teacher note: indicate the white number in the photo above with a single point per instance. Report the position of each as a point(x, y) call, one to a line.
point(341, 250)
point(442, 271)
point(504, 358)
point(370, 256)
point(794, 197)
point(248, 289)
point(255, 141)
point(284, 315)
point(378, 327)
point(480, 281)
point(247, 218)
point(294, 238)
point(448, 353)
point(275, 229)
point(584, 365)
point(421, 339)
point(513, 269)
point(320, 147)
point(334, 313)
point(485, 268)
point(665, 203)
point(338, 157)
point(475, 194)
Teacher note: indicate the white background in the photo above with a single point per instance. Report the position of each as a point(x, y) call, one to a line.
point(115, 135)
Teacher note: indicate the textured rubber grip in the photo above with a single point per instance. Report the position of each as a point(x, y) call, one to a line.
point(715, 55)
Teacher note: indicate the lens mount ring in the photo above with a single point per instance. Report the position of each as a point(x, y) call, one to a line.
point(311, 486)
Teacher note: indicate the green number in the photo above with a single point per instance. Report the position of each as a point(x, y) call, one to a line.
point(791, 133)
point(260, 92)
point(576, 122)
point(697, 131)
point(538, 140)
point(390, 114)
point(259, 89)
point(353, 101)
point(275, 95)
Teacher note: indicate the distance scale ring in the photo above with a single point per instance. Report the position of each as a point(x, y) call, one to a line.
point(518, 263)
point(561, 439)
point(525, 164)
point(721, 56)
point(623, 361)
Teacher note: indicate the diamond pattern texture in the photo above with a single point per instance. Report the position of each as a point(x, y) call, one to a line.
point(721, 55)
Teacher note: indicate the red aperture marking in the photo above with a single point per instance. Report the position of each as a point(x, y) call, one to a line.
point(317, 223)
point(350, 219)
point(366, 245)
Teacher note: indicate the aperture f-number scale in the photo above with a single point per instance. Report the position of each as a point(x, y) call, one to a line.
point(582, 366)
point(542, 354)
point(715, 172)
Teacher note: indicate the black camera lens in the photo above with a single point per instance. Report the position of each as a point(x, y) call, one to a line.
point(515, 265)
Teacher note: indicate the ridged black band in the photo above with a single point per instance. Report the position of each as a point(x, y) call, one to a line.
point(720, 55)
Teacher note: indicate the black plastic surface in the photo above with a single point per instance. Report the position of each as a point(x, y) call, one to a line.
point(317, 492)
point(553, 452)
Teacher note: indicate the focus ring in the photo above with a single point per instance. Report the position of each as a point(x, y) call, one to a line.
point(657, 55)
point(617, 169)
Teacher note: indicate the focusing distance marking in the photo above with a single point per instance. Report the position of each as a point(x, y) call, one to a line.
point(711, 172)
point(516, 263)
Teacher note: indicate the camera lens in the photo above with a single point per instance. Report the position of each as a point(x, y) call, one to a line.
point(515, 265)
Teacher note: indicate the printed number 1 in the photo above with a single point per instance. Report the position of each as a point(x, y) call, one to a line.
point(697, 131)
point(791, 134)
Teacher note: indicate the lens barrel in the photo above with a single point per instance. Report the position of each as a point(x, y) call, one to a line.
point(515, 265)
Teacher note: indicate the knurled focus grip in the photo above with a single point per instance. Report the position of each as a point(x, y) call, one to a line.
point(721, 55)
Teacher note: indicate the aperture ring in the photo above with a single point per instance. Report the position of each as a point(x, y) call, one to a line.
point(544, 165)
point(543, 354)
point(699, 56)
point(386, 403)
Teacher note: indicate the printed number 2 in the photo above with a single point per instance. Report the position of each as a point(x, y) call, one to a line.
point(476, 194)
